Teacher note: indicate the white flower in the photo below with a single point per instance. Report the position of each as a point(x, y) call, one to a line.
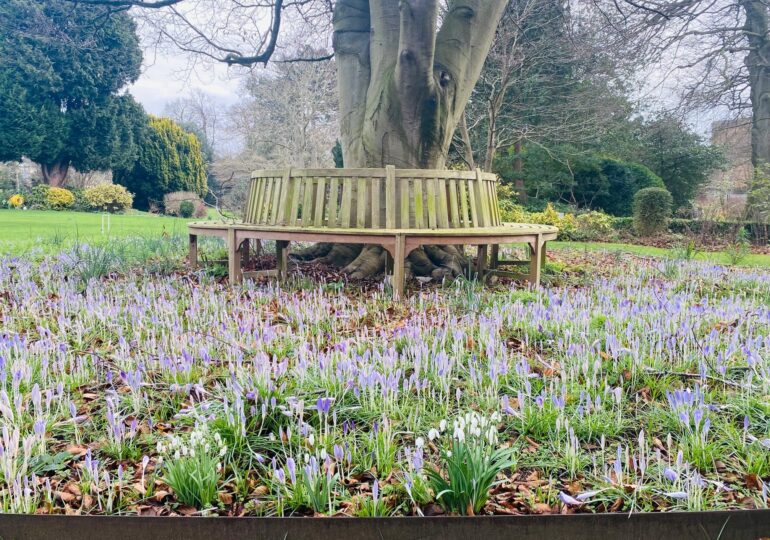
point(311, 439)
point(420, 442)
point(433, 434)
point(459, 435)
point(442, 426)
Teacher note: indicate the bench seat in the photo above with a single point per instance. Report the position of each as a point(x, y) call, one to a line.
point(398, 242)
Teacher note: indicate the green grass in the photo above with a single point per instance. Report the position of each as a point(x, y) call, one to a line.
point(21, 231)
point(716, 257)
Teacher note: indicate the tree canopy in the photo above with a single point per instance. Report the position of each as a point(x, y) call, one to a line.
point(61, 69)
point(170, 159)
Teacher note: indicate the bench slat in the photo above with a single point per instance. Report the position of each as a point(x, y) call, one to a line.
point(347, 202)
point(376, 187)
point(472, 205)
point(251, 208)
point(419, 204)
point(443, 207)
point(390, 197)
point(431, 184)
point(276, 197)
point(307, 202)
point(296, 187)
point(320, 199)
point(284, 197)
point(465, 218)
point(334, 194)
point(493, 202)
point(454, 217)
point(483, 210)
point(267, 203)
point(361, 203)
point(404, 185)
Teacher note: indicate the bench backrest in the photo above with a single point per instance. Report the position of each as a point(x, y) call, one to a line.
point(387, 198)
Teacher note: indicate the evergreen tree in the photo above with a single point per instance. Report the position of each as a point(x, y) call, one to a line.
point(62, 66)
point(170, 159)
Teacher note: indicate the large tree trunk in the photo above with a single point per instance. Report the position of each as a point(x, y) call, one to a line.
point(758, 64)
point(403, 86)
point(55, 174)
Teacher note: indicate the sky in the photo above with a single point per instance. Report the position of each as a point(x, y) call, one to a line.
point(167, 76)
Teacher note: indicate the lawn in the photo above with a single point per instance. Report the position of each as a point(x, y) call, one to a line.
point(24, 230)
point(624, 385)
point(756, 260)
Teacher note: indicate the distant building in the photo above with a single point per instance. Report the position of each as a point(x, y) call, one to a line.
point(725, 194)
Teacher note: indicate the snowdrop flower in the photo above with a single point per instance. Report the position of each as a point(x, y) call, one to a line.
point(442, 426)
point(420, 442)
point(433, 434)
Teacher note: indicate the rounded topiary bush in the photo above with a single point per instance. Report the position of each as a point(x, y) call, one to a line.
point(186, 209)
point(57, 198)
point(652, 210)
point(108, 197)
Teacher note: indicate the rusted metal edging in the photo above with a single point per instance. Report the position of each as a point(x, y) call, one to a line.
point(737, 525)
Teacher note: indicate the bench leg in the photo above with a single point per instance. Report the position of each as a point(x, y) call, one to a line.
point(245, 250)
point(193, 254)
point(535, 262)
point(494, 256)
point(481, 261)
point(542, 255)
point(233, 259)
point(282, 258)
point(399, 270)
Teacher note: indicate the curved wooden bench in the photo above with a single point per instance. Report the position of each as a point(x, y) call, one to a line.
point(399, 209)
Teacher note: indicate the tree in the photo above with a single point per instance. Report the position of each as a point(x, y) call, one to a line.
point(678, 155)
point(555, 77)
point(722, 46)
point(170, 159)
point(290, 114)
point(61, 68)
point(405, 73)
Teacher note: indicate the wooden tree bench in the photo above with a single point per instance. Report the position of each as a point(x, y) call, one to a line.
point(398, 209)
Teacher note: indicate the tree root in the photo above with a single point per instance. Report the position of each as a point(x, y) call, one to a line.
point(436, 262)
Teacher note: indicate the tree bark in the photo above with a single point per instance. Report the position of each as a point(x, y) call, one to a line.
point(403, 86)
point(55, 174)
point(758, 64)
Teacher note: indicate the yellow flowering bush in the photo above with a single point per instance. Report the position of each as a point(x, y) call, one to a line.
point(108, 197)
point(59, 198)
point(567, 223)
point(16, 201)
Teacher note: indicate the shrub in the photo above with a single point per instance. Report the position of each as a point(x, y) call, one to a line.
point(81, 203)
point(57, 198)
point(172, 203)
point(186, 209)
point(566, 222)
point(36, 197)
point(108, 197)
point(16, 201)
point(593, 226)
point(652, 210)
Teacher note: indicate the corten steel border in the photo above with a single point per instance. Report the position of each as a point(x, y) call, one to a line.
point(723, 525)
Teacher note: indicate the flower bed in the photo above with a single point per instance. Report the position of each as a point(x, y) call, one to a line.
point(622, 391)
